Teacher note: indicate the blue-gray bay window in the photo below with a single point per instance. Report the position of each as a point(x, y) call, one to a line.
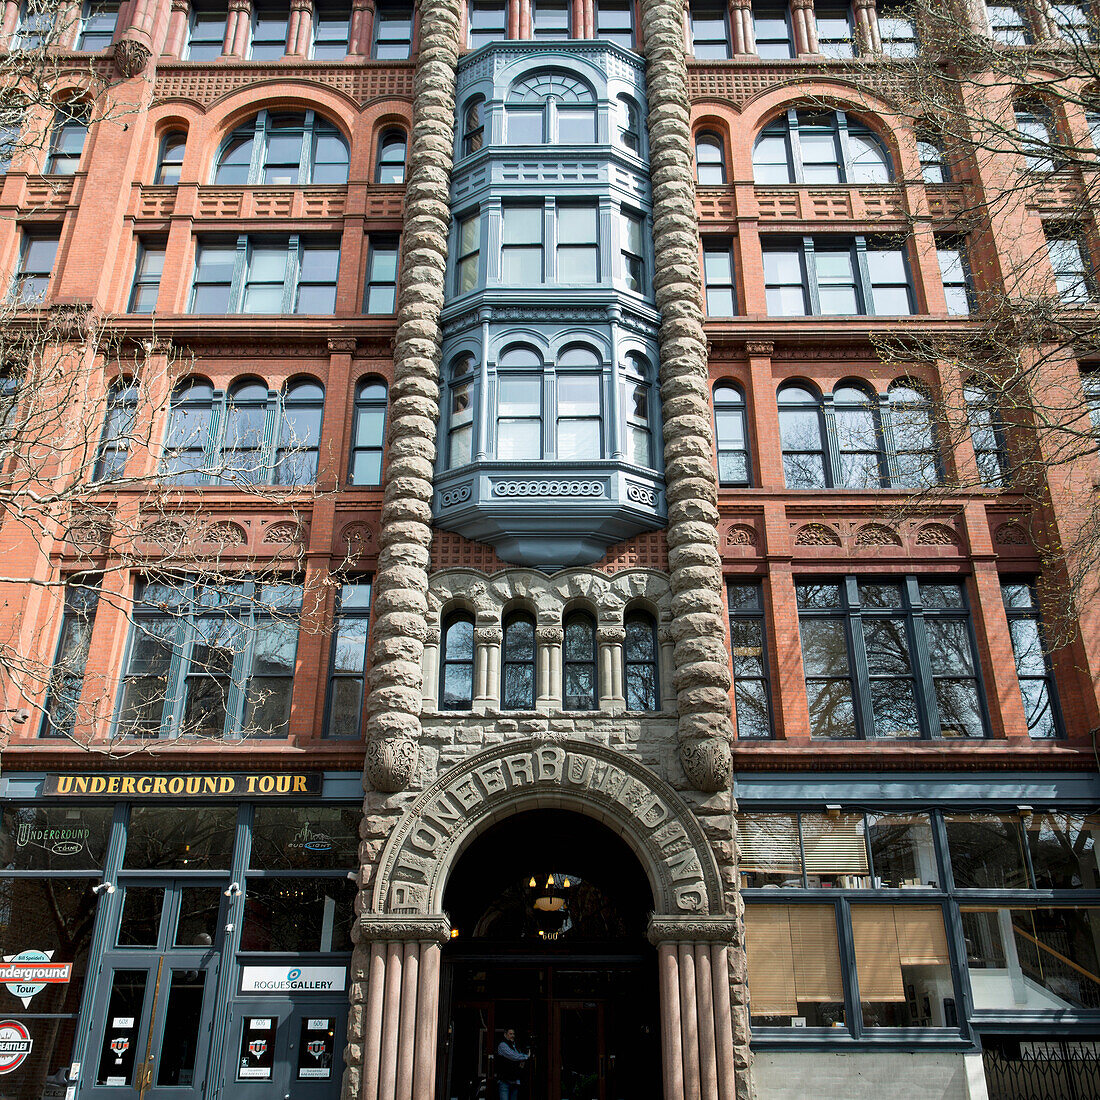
point(61, 709)
point(1033, 667)
point(348, 660)
point(211, 660)
point(889, 659)
point(293, 274)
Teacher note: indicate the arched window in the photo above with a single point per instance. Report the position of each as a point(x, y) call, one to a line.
point(460, 424)
point(819, 147)
point(519, 405)
point(639, 412)
point(517, 678)
point(170, 161)
point(242, 457)
point(473, 126)
point(391, 157)
point(710, 162)
point(1034, 130)
point(987, 435)
point(456, 676)
point(630, 130)
point(118, 430)
point(303, 406)
point(731, 435)
point(579, 677)
point(368, 432)
point(802, 438)
point(579, 426)
point(552, 107)
point(916, 456)
point(860, 459)
point(284, 149)
point(640, 662)
point(189, 424)
point(9, 390)
point(933, 167)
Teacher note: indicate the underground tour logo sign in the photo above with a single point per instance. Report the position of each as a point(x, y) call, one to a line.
point(69, 840)
point(119, 1047)
point(29, 972)
point(15, 1045)
point(257, 1048)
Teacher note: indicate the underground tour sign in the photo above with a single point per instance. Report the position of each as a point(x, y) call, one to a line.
point(15, 1045)
point(185, 785)
point(29, 972)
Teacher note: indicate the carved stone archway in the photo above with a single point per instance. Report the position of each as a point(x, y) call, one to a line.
point(568, 774)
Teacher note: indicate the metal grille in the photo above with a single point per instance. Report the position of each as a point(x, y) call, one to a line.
point(1042, 1069)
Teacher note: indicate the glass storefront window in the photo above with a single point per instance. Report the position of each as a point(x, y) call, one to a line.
point(795, 977)
point(191, 838)
point(54, 838)
point(1025, 959)
point(45, 923)
point(903, 966)
point(1063, 851)
point(987, 851)
point(770, 852)
point(302, 838)
point(902, 852)
point(297, 914)
point(835, 851)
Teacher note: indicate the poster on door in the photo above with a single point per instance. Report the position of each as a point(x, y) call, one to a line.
point(315, 1048)
point(257, 1049)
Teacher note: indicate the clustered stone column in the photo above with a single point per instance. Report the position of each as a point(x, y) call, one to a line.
point(398, 1015)
point(401, 581)
point(695, 568)
point(697, 1023)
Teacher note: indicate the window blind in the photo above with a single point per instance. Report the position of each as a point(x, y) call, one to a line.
point(769, 842)
point(792, 956)
point(834, 845)
point(888, 937)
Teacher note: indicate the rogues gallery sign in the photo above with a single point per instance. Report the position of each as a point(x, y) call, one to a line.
point(221, 785)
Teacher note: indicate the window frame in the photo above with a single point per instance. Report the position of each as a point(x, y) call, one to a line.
point(1009, 32)
point(830, 46)
point(330, 46)
point(392, 35)
point(23, 276)
point(446, 662)
point(713, 167)
point(743, 612)
point(64, 689)
point(263, 13)
point(480, 29)
point(984, 420)
point(774, 47)
point(1082, 292)
point(608, 20)
point(260, 129)
point(344, 613)
point(1032, 613)
point(592, 664)
point(892, 18)
point(706, 17)
point(210, 14)
point(716, 250)
point(551, 33)
point(388, 165)
point(168, 145)
point(381, 245)
point(508, 663)
point(639, 616)
point(90, 12)
point(118, 428)
point(366, 400)
point(72, 119)
point(790, 128)
point(144, 280)
point(739, 407)
point(962, 282)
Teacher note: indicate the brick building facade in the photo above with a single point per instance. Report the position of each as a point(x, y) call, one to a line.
point(515, 364)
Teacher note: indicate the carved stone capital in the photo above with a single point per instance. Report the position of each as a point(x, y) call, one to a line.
point(611, 635)
point(390, 762)
point(301, 5)
point(240, 5)
point(696, 930)
point(806, 5)
point(707, 762)
point(549, 635)
point(488, 635)
point(761, 347)
point(339, 346)
point(131, 56)
point(183, 6)
point(433, 928)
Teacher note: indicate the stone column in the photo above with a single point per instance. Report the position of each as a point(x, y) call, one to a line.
point(299, 36)
point(867, 36)
point(549, 639)
point(401, 580)
point(805, 26)
point(697, 1028)
point(741, 29)
point(237, 28)
point(392, 1026)
point(610, 640)
point(361, 28)
point(177, 28)
point(487, 641)
point(702, 664)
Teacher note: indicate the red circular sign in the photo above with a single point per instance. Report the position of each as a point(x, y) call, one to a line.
point(15, 1045)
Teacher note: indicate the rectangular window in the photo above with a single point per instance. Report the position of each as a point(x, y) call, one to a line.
point(35, 265)
point(615, 22)
point(36, 28)
point(1072, 276)
point(393, 23)
point(97, 29)
point(269, 27)
point(632, 228)
point(889, 659)
point(1033, 667)
point(897, 31)
point(718, 278)
point(70, 130)
point(488, 22)
point(330, 31)
point(207, 33)
point(381, 297)
point(772, 30)
point(955, 272)
point(986, 436)
point(519, 417)
point(748, 648)
point(348, 662)
point(1072, 22)
point(710, 37)
point(266, 275)
point(468, 253)
point(838, 276)
point(118, 431)
point(60, 711)
point(550, 18)
point(578, 248)
point(521, 245)
point(461, 428)
point(147, 273)
point(579, 420)
point(835, 33)
point(211, 661)
point(1007, 25)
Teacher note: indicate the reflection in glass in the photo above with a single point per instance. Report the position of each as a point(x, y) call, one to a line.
point(987, 851)
point(579, 663)
point(195, 837)
point(182, 1018)
point(518, 663)
point(141, 910)
point(298, 914)
point(298, 837)
point(902, 852)
point(640, 662)
point(197, 923)
point(457, 672)
point(1063, 850)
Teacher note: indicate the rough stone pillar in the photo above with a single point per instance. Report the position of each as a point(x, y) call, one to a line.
point(397, 1013)
point(702, 677)
point(401, 580)
point(697, 1035)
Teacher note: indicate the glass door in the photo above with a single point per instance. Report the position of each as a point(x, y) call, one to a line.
point(154, 1003)
point(580, 1064)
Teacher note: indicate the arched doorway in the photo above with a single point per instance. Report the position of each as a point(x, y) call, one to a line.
point(550, 909)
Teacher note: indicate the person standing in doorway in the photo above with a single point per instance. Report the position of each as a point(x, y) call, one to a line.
point(511, 1063)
